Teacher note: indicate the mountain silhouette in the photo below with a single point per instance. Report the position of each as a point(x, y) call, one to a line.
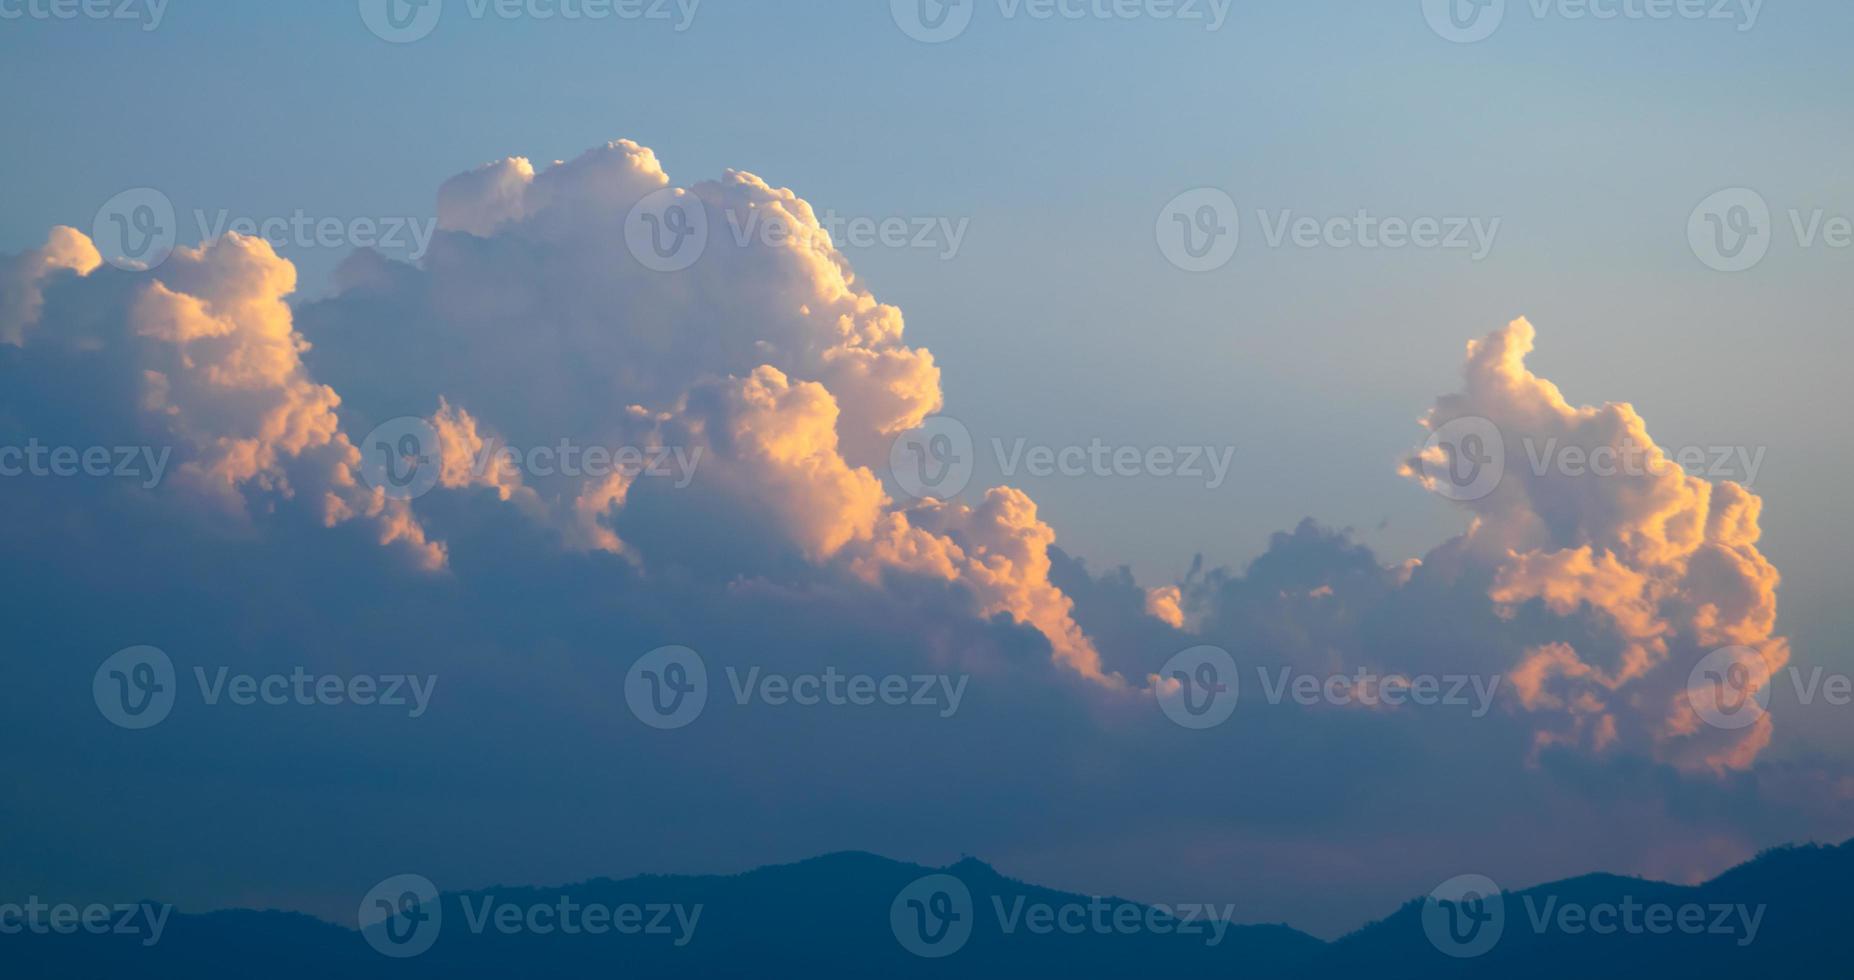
point(855, 914)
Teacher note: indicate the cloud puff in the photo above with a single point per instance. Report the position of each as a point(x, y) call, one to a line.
point(1595, 590)
point(208, 348)
point(765, 359)
point(1666, 564)
point(22, 278)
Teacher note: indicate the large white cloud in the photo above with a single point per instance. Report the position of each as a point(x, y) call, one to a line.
point(764, 362)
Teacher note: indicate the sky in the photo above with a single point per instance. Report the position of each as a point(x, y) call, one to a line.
point(1036, 165)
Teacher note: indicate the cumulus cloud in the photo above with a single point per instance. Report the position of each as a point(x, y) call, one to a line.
point(208, 347)
point(22, 278)
point(1665, 562)
point(765, 359)
point(1595, 590)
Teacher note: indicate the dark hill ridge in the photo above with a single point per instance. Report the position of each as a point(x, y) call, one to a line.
point(855, 914)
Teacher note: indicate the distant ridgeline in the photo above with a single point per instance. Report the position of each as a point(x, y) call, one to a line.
point(1786, 914)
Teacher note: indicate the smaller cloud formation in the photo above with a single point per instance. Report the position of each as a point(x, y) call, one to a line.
point(201, 358)
point(1655, 568)
point(22, 277)
point(1593, 597)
